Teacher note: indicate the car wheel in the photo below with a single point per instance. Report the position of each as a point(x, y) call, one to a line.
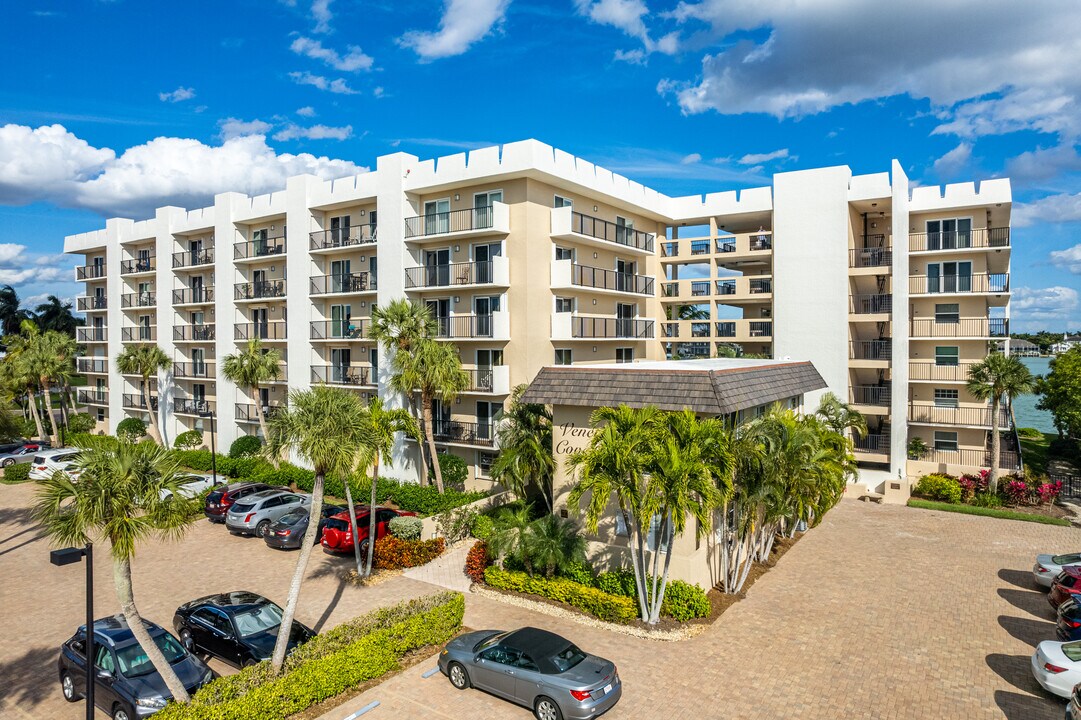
point(459, 678)
point(67, 686)
point(185, 638)
point(248, 663)
point(121, 713)
point(364, 550)
point(262, 528)
point(546, 709)
point(8, 462)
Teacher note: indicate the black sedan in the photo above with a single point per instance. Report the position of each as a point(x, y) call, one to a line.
point(288, 531)
point(239, 627)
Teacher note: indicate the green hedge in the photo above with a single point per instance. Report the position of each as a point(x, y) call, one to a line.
point(424, 500)
point(987, 512)
point(611, 608)
point(938, 487)
point(17, 473)
point(356, 651)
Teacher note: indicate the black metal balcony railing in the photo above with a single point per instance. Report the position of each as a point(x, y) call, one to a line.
point(193, 259)
point(669, 249)
point(466, 433)
point(700, 247)
point(726, 328)
point(945, 415)
point(973, 458)
point(91, 334)
point(872, 304)
point(610, 232)
point(139, 299)
point(875, 444)
point(259, 248)
point(136, 401)
point(139, 333)
point(139, 265)
point(599, 327)
point(700, 329)
point(92, 396)
point(195, 333)
point(259, 290)
point(465, 326)
point(594, 277)
point(760, 328)
point(92, 302)
point(203, 369)
point(974, 283)
point(247, 412)
point(932, 371)
point(870, 257)
point(870, 394)
point(351, 329)
point(480, 379)
point(343, 237)
point(270, 330)
point(960, 240)
point(345, 283)
point(442, 223)
point(760, 286)
point(92, 365)
point(341, 374)
point(90, 272)
point(961, 327)
point(445, 275)
point(871, 350)
point(192, 406)
point(670, 289)
point(761, 242)
point(193, 295)
point(726, 287)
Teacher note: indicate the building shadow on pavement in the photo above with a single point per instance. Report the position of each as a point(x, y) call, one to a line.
point(1032, 602)
point(1015, 706)
point(1026, 630)
point(1019, 578)
point(27, 680)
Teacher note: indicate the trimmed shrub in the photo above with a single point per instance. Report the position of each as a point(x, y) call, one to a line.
point(1048, 492)
point(454, 469)
point(406, 528)
point(199, 460)
point(17, 473)
point(987, 500)
point(617, 582)
point(188, 440)
point(580, 573)
point(81, 423)
point(477, 561)
point(131, 429)
point(935, 486)
point(683, 601)
point(424, 500)
point(245, 446)
point(1015, 491)
point(483, 527)
point(392, 553)
point(599, 604)
point(455, 524)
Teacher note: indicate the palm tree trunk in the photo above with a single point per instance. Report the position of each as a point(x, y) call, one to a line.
point(354, 528)
point(371, 515)
point(995, 444)
point(70, 391)
point(314, 510)
point(656, 616)
point(429, 431)
point(262, 421)
point(637, 562)
point(126, 598)
point(54, 436)
point(415, 411)
point(34, 413)
point(145, 392)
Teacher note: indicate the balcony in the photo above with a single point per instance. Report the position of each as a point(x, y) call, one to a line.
point(744, 330)
point(92, 396)
point(246, 412)
point(964, 415)
point(192, 406)
point(146, 264)
point(494, 380)
point(929, 371)
point(348, 375)
point(138, 300)
point(264, 290)
point(494, 326)
point(972, 458)
point(875, 304)
point(135, 401)
point(195, 370)
point(139, 333)
point(871, 444)
point(91, 303)
point(352, 329)
point(875, 255)
point(870, 395)
point(193, 296)
point(351, 283)
point(194, 333)
point(576, 327)
point(90, 272)
point(965, 240)
point(91, 334)
point(342, 238)
point(567, 275)
point(741, 248)
point(456, 432)
point(570, 225)
point(96, 366)
point(682, 289)
point(979, 328)
point(872, 350)
point(469, 222)
point(261, 249)
point(271, 330)
point(994, 283)
point(193, 259)
point(465, 275)
point(757, 289)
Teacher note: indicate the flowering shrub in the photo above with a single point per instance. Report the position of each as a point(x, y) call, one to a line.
point(972, 485)
point(477, 561)
point(392, 553)
point(1048, 492)
point(1015, 492)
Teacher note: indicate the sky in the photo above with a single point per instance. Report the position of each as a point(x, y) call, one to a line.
point(114, 107)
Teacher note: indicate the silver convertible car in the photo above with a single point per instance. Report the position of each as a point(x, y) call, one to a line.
point(534, 668)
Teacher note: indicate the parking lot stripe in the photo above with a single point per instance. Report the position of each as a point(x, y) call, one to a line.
point(367, 708)
point(431, 672)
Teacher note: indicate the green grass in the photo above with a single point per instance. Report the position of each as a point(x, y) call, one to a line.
point(1035, 449)
point(987, 512)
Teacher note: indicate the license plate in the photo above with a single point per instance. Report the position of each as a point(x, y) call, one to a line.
point(608, 688)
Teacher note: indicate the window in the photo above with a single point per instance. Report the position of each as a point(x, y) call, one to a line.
point(945, 398)
point(501, 655)
point(946, 355)
point(101, 414)
point(947, 313)
point(624, 355)
point(561, 201)
point(563, 253)
point(214, 619)
point(945, 440)
point(564, 305)
point(484, 463)
point(563, 357)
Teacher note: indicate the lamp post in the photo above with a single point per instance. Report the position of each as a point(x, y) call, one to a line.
point(213, 446)
point(68, 556)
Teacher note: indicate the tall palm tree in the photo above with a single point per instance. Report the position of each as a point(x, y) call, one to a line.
point(325, 427)
point(525, 448)
point(11, 314)
point(47, 359)
point(20, 375)
point(513, 528)
point(839, 416)
point(119, 497)
point(146, 361)
point(55, 314)
point(998, 378)
point(250, 369)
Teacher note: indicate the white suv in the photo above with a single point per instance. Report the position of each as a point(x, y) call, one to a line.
point(46, 463)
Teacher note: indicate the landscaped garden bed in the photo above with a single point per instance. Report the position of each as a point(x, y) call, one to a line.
point(1030, 497)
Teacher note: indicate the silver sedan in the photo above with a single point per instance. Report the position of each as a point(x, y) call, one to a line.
point(534, 668)
point(254, 514)
point(1048, 567)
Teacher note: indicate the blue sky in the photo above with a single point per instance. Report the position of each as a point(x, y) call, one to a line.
point(115, 107)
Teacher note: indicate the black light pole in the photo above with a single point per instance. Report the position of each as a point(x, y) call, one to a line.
point(213, 446)
point(66, 557)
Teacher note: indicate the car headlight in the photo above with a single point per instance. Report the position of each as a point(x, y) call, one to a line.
point(445, 651)
point(151, 702)
point(208, 677)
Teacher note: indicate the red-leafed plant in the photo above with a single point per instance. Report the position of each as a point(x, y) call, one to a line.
point(477, 561)
point(393, 553)
point(1049, 492)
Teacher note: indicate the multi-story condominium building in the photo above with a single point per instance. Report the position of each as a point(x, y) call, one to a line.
point(528, 257)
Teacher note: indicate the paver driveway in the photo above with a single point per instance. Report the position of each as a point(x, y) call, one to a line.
point(882, 612)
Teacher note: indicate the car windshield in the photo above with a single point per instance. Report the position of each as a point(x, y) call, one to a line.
point(564, 660)
point(1072, 650)
point(488, 642)
point(1068, 581)
point(214, 497)
point(336, 524)
point(258, 620)
point(1071, 559)
point(134, 662)
point(242, 507)
point(292, 518)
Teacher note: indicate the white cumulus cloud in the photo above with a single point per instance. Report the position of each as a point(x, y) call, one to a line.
point(322, 16)
point(1059, 208)
point(307, 111)
point(338, 85)
point(354, 59)
point(464, 22)
point(234, 127)
point(756, 158)
point(179, 95)
point(953, 162)
point(315, 132)
point(691, 159)
point(45, 162)
point(1068, 259)
point(1034, 308)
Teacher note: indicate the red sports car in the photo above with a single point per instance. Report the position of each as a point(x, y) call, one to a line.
point(1066, 585)
point(338, 537)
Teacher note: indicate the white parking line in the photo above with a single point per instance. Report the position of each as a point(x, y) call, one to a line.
point(367, 708)
point(431, 672)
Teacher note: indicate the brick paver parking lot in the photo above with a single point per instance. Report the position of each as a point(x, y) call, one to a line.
point(881, 612)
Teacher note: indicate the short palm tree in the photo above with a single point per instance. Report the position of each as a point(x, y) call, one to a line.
point(839, 416)
point(998, 378)
point(553, 545)
point(118, 497)
point(250, 369)
point(325, 427)
point(513, 528)
point(525, 448)
point(145, 360)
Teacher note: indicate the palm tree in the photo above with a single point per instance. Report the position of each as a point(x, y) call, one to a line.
point(525, 448)
point(998, 378)
point(11, 315)
point(145, 360)
point(250, 368)
point(839, 416)
point(510, 538)
point(553, 544)
point(47, 359)
point(325, 427)
point(20, 376)
point(55, 314)
point(119, 497)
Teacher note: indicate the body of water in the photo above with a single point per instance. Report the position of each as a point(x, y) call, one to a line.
point(1024, 407)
